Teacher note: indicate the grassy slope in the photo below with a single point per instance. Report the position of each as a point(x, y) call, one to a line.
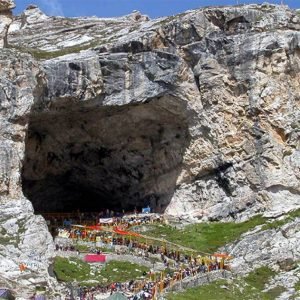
point(248, 288)
point(205, 237)
point(297, 288)
point(119, 271)
point(208, 237)
point(73, 269)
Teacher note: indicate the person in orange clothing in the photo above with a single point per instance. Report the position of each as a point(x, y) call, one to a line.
point(22, 267)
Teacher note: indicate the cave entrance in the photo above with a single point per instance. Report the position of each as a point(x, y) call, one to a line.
point(94, 158)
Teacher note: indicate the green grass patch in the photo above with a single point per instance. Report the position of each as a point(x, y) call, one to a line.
point(5, 240)
point(220, 289)
point(82, 248)
point(297, 286)
point(40, 288)
point(208, 237)
point(106, 249)
point(275, 292)
point(22, 229)
point(73, 269)
point(259, 277)
point(205, 237)
point(278, 223)
point(87, 248)
point(121, 271)
point(248, 288)
point(210, 291)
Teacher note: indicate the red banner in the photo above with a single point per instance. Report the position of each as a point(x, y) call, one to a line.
point(95, 227)
point(122, 232)
point(95, 258)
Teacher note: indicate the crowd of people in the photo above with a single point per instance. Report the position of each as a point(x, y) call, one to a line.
point(58, 225)
point(179, 266)
point(144, 249)
point(104, 217)
point(145, 289)
point(179, 263)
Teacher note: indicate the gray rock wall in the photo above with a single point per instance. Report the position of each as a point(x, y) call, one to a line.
point(228, 77)
point(24, 236)
point(269, 247)
point(5, 20)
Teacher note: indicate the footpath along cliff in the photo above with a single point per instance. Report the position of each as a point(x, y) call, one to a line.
point(195, 114)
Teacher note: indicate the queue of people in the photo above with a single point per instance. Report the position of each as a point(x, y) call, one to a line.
point(103, 216)
point(144, 248)
point(124, 222)
point(146, 289)
point(111, 233)
point(179, 266)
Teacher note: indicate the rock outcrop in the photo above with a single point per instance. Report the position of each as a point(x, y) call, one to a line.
point(277, 248)
point(267, 247)
point(5, 19)
point(24, 236)
point(196, 115)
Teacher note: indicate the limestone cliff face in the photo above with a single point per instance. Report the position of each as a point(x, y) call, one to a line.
point(196, 115)
point(24, 236)
point(229, 76)
point(5, 20)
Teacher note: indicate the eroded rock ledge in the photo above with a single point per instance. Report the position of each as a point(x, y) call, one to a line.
point(195, 114)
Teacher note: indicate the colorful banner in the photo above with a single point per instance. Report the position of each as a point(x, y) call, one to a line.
point(95, 227)
point(95, 258)
point(122, 232)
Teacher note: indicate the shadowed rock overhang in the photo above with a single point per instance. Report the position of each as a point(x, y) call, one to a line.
point(107, 157)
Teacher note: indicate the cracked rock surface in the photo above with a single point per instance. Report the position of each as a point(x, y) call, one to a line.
point(5, 20)
point(196, 115)
point(266, 247)
point(278, 249)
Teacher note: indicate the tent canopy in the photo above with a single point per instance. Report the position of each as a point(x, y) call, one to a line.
point(106, 220)
point(94, 227)
point(146, 210)
point(6, 294)
point(222, 255)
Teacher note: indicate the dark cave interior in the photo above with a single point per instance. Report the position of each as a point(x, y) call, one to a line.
point(104, 157)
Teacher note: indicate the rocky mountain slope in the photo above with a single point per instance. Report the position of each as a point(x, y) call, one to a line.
point(195, 114)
